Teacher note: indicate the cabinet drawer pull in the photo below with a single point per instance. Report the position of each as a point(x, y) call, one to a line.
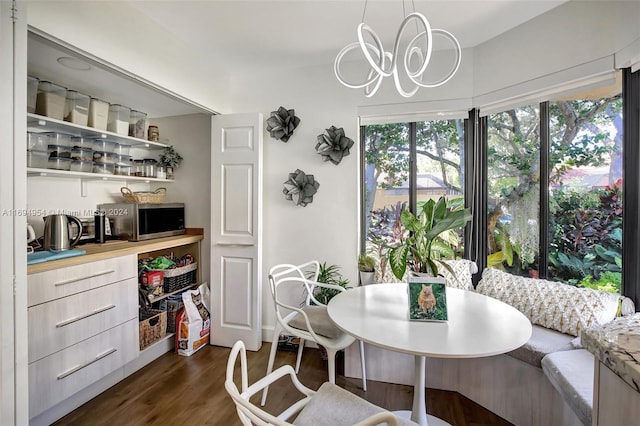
point(73, 280)
point(81, 317)
point(86, 364)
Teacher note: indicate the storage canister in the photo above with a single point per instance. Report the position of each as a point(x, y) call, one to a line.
point(81, 166)
point(59, 163)
point(76, 108)
point(32, 93)
point(37, 159)
point(118, 119)
point(60, 139)
point(138, 167)
point(37, 141)
point(50, 100)
point(81, 142)
point(60, 151)
point(98, 114)
point(154, 133)
point(103, 145)
point(137, 124)
point(81, 154)
point(150, 167)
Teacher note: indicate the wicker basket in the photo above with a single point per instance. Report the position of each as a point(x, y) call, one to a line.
point(153, 326)
point(179, 278)
point(156, 196)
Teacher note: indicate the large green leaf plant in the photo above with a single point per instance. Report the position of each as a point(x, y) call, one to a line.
point(429, 236)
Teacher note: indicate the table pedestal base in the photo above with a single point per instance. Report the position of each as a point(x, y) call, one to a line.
point(431, 420)
point(418, 411)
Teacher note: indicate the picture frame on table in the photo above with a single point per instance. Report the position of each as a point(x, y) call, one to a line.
point(427, 299)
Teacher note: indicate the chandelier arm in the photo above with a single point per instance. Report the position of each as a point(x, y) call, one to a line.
point(416, 78)
point(370, 92)
point(379, 68)
point(338, 74)
point(429, 39)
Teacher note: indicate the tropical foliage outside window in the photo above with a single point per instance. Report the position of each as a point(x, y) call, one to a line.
point(439, 145)
point(585, 211)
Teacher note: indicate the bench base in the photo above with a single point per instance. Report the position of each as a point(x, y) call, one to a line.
point(514, 390)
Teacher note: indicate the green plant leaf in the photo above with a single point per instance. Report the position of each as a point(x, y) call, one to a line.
point(398, 260)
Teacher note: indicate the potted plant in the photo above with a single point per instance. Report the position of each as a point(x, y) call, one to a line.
point(428, 237)
point(367, 269)
point(329, 274)
point(170, 159)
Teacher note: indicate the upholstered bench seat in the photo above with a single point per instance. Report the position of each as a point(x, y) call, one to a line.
point(572, 373)
point(334, 406)
point(543, 341)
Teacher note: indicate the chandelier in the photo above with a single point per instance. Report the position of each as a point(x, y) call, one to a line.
point(417, 56)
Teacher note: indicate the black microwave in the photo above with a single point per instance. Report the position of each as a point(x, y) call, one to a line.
point(139, 222)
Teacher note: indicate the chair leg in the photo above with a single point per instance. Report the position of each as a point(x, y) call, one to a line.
point(272, 356)
point(331, 358)
point(364, 370)
point(299, 358)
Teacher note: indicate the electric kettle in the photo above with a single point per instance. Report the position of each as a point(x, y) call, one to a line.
point(57, 232)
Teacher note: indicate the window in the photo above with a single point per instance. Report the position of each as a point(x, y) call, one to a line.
point(547, 178)
point(406, 163)
point(513, 202)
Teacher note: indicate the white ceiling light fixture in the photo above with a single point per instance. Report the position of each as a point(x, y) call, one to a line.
point(385, 64)
point(73, 63)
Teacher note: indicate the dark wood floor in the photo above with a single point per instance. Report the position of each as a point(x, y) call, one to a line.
point(190, 390)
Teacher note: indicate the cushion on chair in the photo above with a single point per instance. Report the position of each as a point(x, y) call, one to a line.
point(463, 270)
point(320, 322)
point(551, 304)
point(334, 406)
point(543, 341)
point(572, 373)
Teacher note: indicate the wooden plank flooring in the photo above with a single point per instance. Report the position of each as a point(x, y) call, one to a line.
point(190, 390)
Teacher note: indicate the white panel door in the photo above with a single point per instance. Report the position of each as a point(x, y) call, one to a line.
point(236, 230)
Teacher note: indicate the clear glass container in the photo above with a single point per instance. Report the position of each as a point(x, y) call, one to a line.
point(37, 159)
point(98, 114)
point(32, 93)
point(81, 166)
point(104, 168)
point(37, 141)
point(50, 100)
point(138, 168)
point(59, 163)
point(150, 165)
point(76, 108)
point(118, 121)
point(161, 172)
point(137, 124)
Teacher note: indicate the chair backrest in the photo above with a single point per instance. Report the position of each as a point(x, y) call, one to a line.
point(251, 414)
point(283, 274)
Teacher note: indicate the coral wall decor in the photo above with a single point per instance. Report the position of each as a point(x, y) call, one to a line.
point(333, 145)
point(300, 188)
point(282, 123)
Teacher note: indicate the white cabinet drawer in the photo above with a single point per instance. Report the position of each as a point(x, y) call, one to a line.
point(51, 285)
point(61, 323)
point(58, 376)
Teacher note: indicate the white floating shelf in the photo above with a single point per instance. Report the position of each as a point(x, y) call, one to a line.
point(37, 122)
point(91, 176)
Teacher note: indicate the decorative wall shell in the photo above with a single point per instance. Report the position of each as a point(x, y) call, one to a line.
point(333, 145)
point(300, 188)
point(282, 123)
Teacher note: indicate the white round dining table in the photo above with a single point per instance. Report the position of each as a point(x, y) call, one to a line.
point(477, 326)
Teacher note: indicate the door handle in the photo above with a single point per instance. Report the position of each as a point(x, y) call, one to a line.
point(235, 244)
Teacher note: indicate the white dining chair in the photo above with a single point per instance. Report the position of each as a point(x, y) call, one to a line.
point(307, 321)
point(329, 405)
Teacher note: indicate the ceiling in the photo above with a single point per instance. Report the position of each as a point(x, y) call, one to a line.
point(247, 35)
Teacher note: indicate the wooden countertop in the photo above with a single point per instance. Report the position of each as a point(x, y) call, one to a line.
point(118, 248)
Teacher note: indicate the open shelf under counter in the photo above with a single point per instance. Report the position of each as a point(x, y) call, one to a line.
point(154, 299)
point(41, 123)
point(92, 176)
